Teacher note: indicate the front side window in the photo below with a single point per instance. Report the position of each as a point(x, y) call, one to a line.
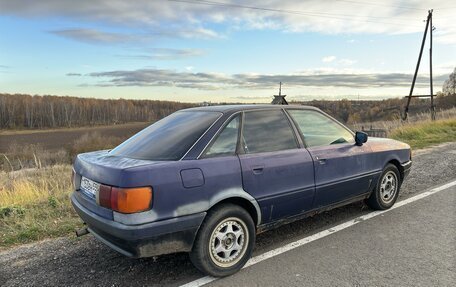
point(168, 139)
point(266, 131)
point(226, 141)
point(319, 130)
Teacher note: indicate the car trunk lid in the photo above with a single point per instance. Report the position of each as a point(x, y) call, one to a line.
point(101, 167)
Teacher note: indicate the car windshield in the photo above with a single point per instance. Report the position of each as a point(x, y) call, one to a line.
point(169, 138)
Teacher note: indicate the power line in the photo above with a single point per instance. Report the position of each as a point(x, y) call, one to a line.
point(296, 12)
point(380, 4)
point(395, 6)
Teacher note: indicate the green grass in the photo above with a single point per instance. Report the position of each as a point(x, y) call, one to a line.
point(35, 204)
point(424, 134)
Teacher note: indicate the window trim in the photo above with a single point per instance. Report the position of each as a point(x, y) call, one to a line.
point(295, 128)
point(293, 131)
point(239, 147)
point(301, 134)
point(217, 134)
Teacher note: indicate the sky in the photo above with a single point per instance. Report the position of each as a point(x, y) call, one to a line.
point(223, 50)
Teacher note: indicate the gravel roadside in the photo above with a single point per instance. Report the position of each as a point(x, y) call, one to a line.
point(71, 261)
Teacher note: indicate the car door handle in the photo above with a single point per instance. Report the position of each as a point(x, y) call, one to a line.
point(258, 169)
point(321, 160)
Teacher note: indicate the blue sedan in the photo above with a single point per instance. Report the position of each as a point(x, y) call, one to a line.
point(207, 180)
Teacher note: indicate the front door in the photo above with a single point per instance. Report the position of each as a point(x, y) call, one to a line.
point(342, 169)
point(341, 172)
point(275, 171)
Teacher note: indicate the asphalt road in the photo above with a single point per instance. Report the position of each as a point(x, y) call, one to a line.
point(413, 245)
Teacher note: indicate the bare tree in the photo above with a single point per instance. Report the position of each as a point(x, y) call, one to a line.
point(53, 111)
point(449, 86)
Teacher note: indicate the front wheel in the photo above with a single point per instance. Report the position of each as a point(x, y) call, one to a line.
point(387, 190)
point(224, 242)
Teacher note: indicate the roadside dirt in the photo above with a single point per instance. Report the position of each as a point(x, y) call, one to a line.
point(76, 262)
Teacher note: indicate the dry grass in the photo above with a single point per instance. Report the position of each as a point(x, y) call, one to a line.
point(35, 190)
point(389, 126)
point(31, 156)
point(418, 131)
point(34, 204)
point(427, 133)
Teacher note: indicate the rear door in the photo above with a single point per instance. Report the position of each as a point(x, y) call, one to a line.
point(342, 169)
point(275, 171)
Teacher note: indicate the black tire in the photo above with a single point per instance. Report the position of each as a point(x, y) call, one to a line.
point(380, 199)
point(221, 221)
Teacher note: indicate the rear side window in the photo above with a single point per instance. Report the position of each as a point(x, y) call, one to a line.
point(169, 138)
point(226, 141)
point(319, 130)
point(266, 131)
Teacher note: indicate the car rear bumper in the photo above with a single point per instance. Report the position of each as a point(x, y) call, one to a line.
point(144, 240)
point(406, 167)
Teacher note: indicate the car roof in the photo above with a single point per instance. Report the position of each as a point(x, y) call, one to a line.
point(236, 108)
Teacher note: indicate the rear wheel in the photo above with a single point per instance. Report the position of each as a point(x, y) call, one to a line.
point(387, 190)
point(224, 242)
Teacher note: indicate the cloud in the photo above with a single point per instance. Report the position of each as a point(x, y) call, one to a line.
point(167, 54)
point(73, 74)
point(347, 62)
point(198, 33)
point(216, 81)
point(328, 59)
point(259, 98)
point(192, 18)
point(93, 36)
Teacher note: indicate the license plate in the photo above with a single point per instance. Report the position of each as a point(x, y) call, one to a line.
point(90, 186)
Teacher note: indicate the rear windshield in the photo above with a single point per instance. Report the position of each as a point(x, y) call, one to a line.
point(169, 138)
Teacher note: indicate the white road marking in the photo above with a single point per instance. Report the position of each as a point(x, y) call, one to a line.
point(290, 246)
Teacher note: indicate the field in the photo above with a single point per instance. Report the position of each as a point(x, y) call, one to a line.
point(63, 138)
point(40, 148)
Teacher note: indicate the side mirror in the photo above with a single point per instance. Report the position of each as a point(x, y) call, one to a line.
point(360, 138)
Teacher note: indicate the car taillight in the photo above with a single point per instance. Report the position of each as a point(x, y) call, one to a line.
point(104, 196)
point(125, 200)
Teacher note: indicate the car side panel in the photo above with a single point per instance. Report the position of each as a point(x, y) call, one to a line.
point(174, 196)
point(282, 182)
point(342, 171)
point(388, 150)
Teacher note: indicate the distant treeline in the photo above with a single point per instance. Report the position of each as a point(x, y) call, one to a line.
point(350, 111)
point(25, 111)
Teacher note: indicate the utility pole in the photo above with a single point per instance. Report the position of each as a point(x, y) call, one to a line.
point(410, 96)
point(430, 69)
